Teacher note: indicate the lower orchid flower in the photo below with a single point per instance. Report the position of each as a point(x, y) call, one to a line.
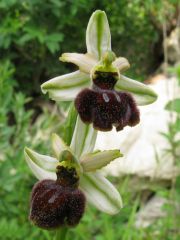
point(69, 178)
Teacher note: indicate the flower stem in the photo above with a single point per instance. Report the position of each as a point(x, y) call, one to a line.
point(61, 233)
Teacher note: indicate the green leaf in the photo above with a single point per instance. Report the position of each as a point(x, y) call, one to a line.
point(34, 32)
point(52, 41)
point(173, 105)
point(55, 37)
point(177, 125)
point(52, 46)
point(25, 38)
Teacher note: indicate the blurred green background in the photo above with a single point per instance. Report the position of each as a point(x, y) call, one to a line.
point(33, 34)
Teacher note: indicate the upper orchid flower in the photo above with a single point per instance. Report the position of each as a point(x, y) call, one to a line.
point(72, 167)
point(98, 42)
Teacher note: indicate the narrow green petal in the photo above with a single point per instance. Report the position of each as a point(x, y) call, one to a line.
point(58, 145)
point(98, 36)
point(85, 62)
point(143, 94)
point(35, 166)
point(66, 87)
point(83, 139)
point(101, 193)
point(121, 63)
point(94, 161)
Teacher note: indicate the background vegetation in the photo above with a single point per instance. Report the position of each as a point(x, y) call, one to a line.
point(33, 34)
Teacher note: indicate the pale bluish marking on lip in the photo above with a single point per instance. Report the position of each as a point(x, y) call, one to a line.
point(53, 198)
point(128, 113)
point(117, 97)
point(105, 97)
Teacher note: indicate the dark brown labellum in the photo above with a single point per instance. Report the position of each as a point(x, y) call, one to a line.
point(53, 205)
point(107, 108)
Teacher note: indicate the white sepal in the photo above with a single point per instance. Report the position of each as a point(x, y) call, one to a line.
point(85, 62)
point(43, 161)
point(94, 161)
point(98, 36)
point(67, 86)
point(38, 171)
point(65, 95)
point(143, 94)
point(101, 193)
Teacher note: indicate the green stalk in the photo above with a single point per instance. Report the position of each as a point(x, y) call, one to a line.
point(61, 234)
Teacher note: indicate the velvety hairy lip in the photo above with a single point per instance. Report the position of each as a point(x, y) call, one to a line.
point(53, 205)
point(107, 108)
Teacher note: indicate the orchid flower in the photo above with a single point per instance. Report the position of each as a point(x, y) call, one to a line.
point(97, 189)
point(98, 42)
